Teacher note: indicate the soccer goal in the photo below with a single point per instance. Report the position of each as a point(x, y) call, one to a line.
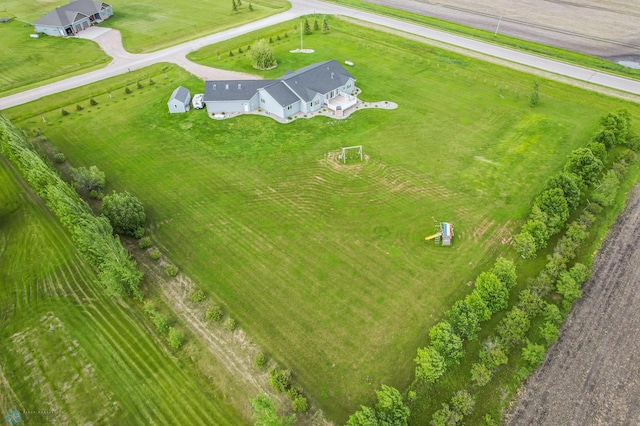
point(351, 153)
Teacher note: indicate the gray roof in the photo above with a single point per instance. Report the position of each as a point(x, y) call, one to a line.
point(321, 78)
point(232, 90)
point(181, 94)
point(304, 84)
point(66, 15)
point(281, 93)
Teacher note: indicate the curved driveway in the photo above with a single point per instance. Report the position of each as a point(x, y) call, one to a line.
point(124, 62)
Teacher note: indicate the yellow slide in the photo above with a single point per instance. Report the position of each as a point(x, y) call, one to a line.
point(431, 237)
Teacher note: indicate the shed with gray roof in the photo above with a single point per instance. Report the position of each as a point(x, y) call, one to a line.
point(68, 20)
point(305, 90)
point(179, 100)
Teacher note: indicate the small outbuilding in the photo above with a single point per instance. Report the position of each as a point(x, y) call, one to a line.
point(179, 100)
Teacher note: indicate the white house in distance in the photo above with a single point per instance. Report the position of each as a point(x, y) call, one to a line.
point(68, 20)
point(179, 100)
point(305, 90)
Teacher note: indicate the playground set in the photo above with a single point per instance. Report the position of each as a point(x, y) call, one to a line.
point(443, 235)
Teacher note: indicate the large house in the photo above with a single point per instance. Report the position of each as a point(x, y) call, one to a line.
point(322, 85)
point(68, 20)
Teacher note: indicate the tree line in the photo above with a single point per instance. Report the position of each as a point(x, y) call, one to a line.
point(93, 235)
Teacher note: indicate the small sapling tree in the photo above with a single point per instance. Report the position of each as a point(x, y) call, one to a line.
point(87, 180)
point(176, 338)
point(534, 98)
point(265, 413)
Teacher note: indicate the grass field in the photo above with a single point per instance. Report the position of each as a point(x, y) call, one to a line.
point(326, 266)
point(28, 62)
point(69, 354)
point(151, 25)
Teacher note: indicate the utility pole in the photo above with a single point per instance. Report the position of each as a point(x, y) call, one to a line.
point(498, 27)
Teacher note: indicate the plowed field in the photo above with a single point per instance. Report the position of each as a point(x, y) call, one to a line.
point(591, 376)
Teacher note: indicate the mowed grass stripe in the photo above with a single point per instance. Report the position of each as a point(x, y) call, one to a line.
point(147, 382)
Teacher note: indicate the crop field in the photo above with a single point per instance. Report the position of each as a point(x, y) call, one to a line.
point(69, 354)
point(325, 266)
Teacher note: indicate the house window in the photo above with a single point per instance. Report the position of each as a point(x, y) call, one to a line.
point(289, 107)
point(262, 100)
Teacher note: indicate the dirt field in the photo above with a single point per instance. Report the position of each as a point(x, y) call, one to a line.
point(591, 376)
point(604, 28)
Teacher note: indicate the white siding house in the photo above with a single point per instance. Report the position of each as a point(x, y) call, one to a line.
point(68, 20)
point(306, 90)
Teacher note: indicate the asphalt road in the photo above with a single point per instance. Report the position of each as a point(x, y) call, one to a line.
point(128, 62)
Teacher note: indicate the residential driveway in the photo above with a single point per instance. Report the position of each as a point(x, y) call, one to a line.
point(125, 62)
point(93, 32)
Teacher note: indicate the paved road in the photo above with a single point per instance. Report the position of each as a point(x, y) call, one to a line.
point(124, 62)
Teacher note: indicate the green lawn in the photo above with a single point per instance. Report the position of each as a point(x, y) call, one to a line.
point(28, 62)
point(151, 25)
point(71, 354)
point(326, 267)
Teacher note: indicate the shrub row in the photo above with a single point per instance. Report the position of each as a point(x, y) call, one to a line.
point(515, 326)
point(92, 235)
point(491, 295)
point(281, 381)
point(174, 336)
point(563, 192)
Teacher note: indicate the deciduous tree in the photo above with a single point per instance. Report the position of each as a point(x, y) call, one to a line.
point(91, 179)
point(430, 364)
point(569, 184)
point(390, 409)
point(125, 212)
point(585, 165)
point(446, 342)
point(554, 205)
point(261, 55)
point(464, 320)
point(492, 291)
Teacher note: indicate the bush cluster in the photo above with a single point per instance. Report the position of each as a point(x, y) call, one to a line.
point(171, 270)
point(214, 313)
point(491, 295)
point(197, 295)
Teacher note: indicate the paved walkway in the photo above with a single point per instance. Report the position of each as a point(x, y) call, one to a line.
point(124, 62)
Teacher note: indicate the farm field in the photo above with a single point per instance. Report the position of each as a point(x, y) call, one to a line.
point(595, 344)
point(325, 266)
point(71, 355)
